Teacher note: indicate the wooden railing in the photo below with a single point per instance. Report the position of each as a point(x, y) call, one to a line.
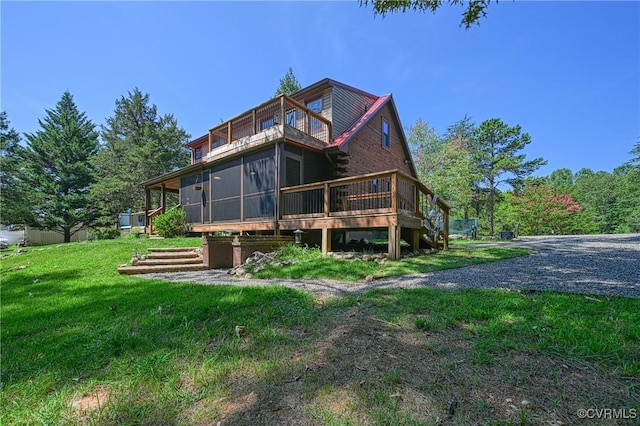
point(279, 111)
point(375, 193)
point(150, 216)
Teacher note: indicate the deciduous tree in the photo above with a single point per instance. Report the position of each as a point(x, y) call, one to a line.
point(138, 145)
point(540, 209)
point(56, 167)
point(473, 12)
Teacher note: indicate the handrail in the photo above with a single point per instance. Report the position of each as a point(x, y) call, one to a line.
point(277, 102)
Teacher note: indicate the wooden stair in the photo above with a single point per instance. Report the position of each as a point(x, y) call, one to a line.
point(171, 259)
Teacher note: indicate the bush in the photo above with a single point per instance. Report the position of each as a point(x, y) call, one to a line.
point(104, 233)
point(171, 224)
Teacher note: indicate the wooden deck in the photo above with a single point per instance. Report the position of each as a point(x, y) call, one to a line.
point(282, 116)
point(388, 200)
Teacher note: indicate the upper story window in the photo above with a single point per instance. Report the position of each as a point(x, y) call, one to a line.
point(197, 154)
point(386, 136)
point(315, 106)
point(291, 118)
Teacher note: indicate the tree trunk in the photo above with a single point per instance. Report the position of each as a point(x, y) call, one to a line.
point(67, 234)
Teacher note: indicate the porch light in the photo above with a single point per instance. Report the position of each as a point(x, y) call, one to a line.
point(297, 235)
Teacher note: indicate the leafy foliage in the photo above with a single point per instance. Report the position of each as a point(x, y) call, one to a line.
point(104, 233)
point(539, 209)
point(443, 162)
point(171, 224)
point(56, 169)
point(138, 145)
point(474, 11)
point(288, 84)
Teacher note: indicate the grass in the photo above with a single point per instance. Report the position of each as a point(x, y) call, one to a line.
point(84, 345)
point(311, 264)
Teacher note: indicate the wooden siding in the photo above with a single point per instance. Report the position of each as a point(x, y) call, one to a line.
point(347, 106)
point(366, 153)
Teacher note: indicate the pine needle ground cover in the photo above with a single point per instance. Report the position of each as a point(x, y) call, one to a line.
point(84, 345)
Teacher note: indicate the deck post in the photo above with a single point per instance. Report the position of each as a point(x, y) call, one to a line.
point(147, 207)
point(326, 241)
point(326, 200)
point(415, 239)
point(394, 192)
point(394, 242)
point(445, 234)
point(163, 197)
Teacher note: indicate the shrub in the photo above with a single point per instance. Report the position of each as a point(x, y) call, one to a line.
point(104, 233)
point(171, 224)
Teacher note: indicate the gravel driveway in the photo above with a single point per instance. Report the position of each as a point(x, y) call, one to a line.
point(606, 265)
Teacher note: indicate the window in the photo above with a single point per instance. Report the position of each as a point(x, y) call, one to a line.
point(197, 154)
point(386, 138)
point(266, 123)
point(315, 106)
point(290, 118)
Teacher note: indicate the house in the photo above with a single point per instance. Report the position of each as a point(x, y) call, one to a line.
point(327, 159)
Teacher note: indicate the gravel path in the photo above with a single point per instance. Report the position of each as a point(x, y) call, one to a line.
point(605, 265)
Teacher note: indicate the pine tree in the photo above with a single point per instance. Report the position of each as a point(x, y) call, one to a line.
point(57, 169)
point(138, 145)
point(12, 206)
point(495, 155)
point(288, 84)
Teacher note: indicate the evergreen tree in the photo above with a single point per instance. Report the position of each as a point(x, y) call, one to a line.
point(57, 170)
point(495, 156)
point(288, 84)
point(138, 145)
point(12, 206)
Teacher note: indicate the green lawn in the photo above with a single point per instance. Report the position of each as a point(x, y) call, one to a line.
point(82, 344)
point(311, 264)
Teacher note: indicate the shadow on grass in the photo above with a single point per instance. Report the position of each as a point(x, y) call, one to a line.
point(171, 353)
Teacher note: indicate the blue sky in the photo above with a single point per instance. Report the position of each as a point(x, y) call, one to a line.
point(567, 72)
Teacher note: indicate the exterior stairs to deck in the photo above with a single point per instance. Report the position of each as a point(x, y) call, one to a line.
point(426, 239)
point(173, 259)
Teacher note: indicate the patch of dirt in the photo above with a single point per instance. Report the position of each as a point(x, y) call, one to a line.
point(91, 402)
point(363, 370)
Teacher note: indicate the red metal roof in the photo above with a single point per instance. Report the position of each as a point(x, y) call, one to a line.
point(375, 107)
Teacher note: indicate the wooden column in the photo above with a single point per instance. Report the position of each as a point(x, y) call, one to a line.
point(163, 197)
point(445, 236)
point(394, 242)
point(278, 182)
point(147, 207)
point(326, 241)
point(415, 239)
point(327, 199)
point(394, 192)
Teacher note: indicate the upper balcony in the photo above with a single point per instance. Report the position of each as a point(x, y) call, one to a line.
point(281, 117)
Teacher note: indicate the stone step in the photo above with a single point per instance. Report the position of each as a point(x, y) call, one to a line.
point(173, 255)
point(132, 270)
point(171, 249)
point(171, 261)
